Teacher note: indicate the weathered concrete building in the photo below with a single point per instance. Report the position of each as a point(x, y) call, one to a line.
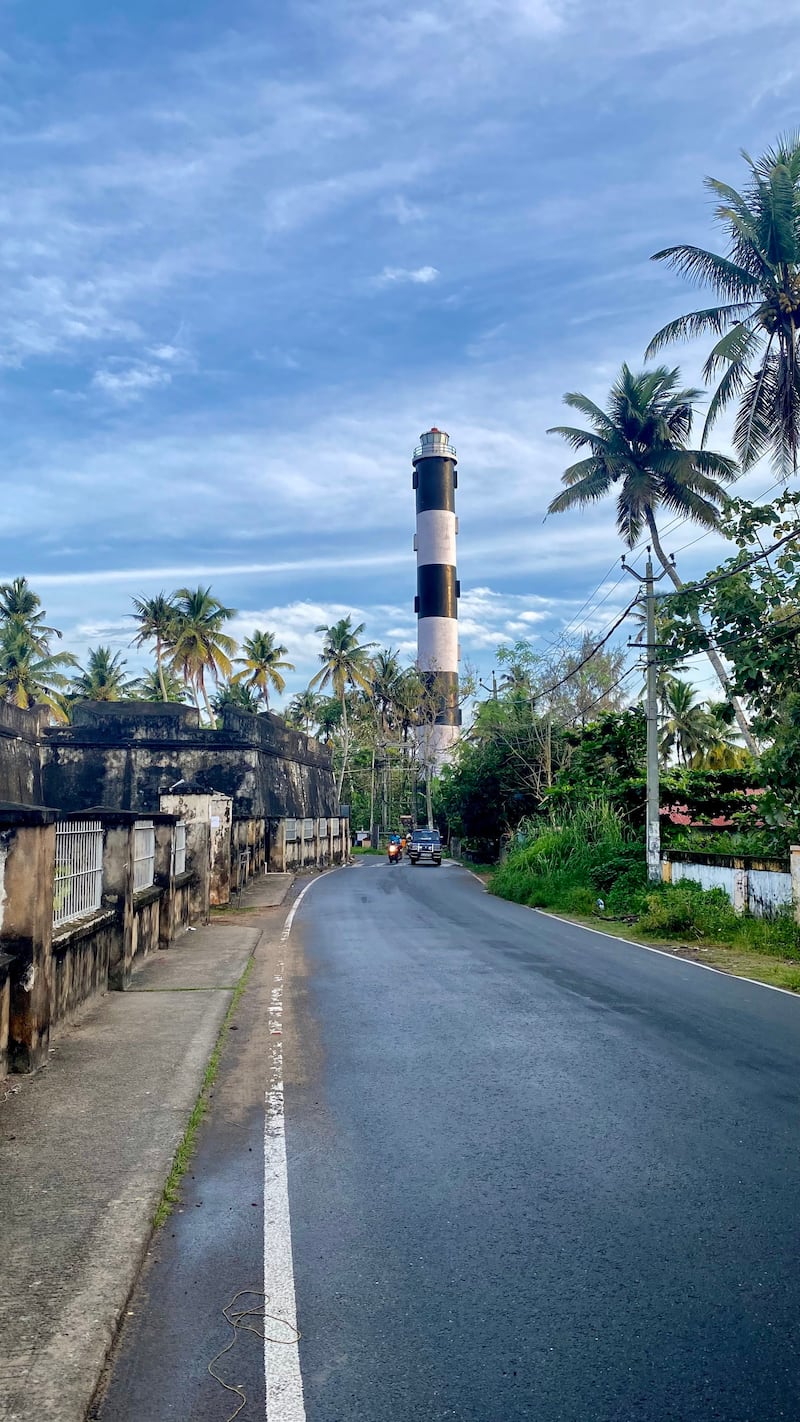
point(121, 830)
point(125, 755)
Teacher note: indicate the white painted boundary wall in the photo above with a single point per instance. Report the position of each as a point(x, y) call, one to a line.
point(762, 892)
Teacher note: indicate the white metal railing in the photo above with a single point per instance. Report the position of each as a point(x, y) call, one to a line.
point(308, 829)
point(144, 854)
point(78, 876)
point(334, 827)
point(436, 444)
point(322, 828)
point(179, 848)
point(290, 826)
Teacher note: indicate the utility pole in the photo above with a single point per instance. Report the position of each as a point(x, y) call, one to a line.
point(653, 826)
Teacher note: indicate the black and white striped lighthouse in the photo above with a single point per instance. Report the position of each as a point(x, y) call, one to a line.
point(436, 603)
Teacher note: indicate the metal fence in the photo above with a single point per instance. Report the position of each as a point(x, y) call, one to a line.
point(179, 848)
point(308, 829)
point(144, 854)
point(78, 877)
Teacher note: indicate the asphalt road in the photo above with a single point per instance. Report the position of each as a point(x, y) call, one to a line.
point(533, 1172)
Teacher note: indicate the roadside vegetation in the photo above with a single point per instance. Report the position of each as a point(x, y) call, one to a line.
point(590, 868)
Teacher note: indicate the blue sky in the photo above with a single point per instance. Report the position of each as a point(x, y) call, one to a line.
point(251, 251)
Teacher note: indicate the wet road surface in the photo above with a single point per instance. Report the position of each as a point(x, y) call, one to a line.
point(533, 1172)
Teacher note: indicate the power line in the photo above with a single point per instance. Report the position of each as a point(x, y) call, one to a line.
point(733, 572)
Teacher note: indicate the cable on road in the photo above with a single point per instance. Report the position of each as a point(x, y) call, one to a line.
point(236, 1318)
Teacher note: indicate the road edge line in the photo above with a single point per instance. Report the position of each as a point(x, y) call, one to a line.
point(662, 953)
point(282, 1377)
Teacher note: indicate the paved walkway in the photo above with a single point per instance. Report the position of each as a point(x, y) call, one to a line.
point(85, 1149)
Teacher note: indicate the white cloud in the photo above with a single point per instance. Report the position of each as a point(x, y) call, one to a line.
point(129, 382)
point(418, 276)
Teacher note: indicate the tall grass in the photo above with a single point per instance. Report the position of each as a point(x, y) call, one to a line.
point(564, 865)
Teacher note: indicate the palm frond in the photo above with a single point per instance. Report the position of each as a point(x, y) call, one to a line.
point(732, 281)
point(734, 348)
point(599, 418)
point(684, 328)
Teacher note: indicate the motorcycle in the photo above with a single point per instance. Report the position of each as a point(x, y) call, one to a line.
point(394, 853)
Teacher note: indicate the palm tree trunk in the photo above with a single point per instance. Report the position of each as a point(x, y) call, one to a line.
point(345, 749)
point(201, 686)
point(711, 651)
point(160, 667)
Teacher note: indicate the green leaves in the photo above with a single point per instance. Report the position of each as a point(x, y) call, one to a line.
point(758, 318)
point(639, 446)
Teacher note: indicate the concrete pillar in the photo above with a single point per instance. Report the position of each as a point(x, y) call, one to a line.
point(220, 821)
point(27, 847)
point(277, 847)
point(194, 808)
point(741, 886)
point(794, 869)
point(118, 862)
point(163, 876)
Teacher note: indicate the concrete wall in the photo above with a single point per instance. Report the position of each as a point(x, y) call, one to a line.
point(5, 1009)
point(81, 954)
point(146, 921)
point(20, 756)
point(182, 898)
point(126, 755)
point(761, 887)
point(45, 974)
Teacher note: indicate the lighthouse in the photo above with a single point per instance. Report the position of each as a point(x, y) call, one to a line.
point(436, 604)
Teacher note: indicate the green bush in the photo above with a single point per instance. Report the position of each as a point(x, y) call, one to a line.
point(564, 865)
point(686, 908)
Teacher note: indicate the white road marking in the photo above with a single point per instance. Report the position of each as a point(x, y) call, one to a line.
point(673, 957)
point(281, 1359)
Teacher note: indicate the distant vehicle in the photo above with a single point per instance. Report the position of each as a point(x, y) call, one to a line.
point(425, 847)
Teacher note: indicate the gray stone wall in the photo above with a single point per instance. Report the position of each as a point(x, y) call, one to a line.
point(125, 755)
point(20, 758)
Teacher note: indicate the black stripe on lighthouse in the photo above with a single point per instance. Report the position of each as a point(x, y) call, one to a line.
point(437, 590)
point(435, 485)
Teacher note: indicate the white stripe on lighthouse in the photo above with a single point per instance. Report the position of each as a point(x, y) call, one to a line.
point(437, 643)
point(436, 537)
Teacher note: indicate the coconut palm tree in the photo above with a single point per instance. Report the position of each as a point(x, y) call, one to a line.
point(262, 665)
point(303, 710)
point(688, 727)
point(29, 676)
point(638, 448)
point(21, 608)
point(151, 686)
point(386, 687)
point(722, 751)
point(199, 645)
point(103, 678)
point(235, 694)
point(156, 617)
point(757, 315)
point(345, 662)
point(329, 718)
